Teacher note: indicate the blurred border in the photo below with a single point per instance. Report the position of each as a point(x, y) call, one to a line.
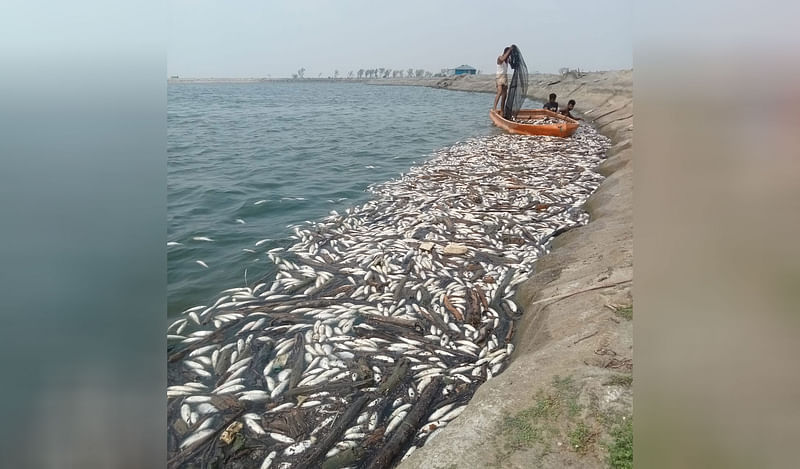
point(83, 201)
point(717, 212)
point(83, 209)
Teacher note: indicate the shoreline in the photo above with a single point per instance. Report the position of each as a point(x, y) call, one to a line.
point(547, 343)
point(567, 390)
point(213, 80)
point(513, 209)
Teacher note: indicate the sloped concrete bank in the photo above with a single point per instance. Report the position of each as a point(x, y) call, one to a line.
point(566, 396)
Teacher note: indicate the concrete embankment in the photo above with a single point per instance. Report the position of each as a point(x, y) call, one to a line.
point(566, 397)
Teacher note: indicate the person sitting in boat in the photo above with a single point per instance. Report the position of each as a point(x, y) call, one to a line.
point(502, 78)
point(570, 106)
point(551, 105)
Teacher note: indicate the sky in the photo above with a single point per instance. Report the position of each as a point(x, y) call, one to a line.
point(264, 38)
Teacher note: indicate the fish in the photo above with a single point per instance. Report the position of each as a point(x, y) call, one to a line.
point(357, 308)
point(279, 389)
point(197, 437)
point(203, 238)
point(440, 412)
point(280, 438)
point(202, 263)
point(344, 458)
point(254, 426)
point(254, 396)
point(299, 447)
point(268, 460)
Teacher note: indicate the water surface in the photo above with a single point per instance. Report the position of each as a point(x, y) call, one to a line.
point(247, 162)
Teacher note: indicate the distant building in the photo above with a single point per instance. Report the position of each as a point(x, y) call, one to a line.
point(464, 70)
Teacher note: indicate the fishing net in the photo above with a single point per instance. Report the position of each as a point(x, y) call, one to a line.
point(518, 88)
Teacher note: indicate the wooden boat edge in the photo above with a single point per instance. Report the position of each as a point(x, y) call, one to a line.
point(554, 130)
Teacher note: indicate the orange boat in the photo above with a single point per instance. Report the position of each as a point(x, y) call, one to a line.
point(564, 128)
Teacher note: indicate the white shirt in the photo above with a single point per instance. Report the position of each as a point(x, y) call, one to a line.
point(502, 69)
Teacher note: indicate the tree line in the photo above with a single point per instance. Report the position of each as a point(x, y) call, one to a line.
point(373, 73)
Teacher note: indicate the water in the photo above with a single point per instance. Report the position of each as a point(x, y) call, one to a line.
point(273, 155)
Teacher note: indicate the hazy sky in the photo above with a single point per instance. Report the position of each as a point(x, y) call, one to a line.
point(259, 38)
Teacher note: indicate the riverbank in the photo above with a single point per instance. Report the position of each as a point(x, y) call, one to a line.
point(394, 311)
point(566, 398)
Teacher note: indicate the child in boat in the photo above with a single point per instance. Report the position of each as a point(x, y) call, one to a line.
point(502, 78)
point(551, 105)
point(570, 106)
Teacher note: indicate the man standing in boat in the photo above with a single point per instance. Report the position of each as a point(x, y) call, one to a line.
point(502, 78)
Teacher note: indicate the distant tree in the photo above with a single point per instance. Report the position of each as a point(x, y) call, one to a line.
point(360, 73)
point(319, 76)
point(410, 72)
point(387, 72)
point(419, 72)
point(294, 76)
point(380, 72)
point(350, 75)
point(428, 74)
point(301, 72)
point(335, 74)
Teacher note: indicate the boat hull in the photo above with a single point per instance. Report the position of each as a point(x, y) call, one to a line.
point(563, 129)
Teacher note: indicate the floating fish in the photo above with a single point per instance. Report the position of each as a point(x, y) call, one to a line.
point(368, 305)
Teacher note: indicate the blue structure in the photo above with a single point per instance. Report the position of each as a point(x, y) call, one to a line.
point(464, 70)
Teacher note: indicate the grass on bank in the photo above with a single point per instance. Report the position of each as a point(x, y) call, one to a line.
point(581, 438)
point(625, 312)
point(620, 451)
point(620, 380)
point(558, 422)
point(543, 423)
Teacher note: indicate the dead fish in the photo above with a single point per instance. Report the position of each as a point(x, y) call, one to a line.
point(298, 448)
point(366, 261)
point(281, 438)
point(344, 458)
point(197, 437)
point(268, 460)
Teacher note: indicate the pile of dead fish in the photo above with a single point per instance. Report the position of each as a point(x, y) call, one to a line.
point(382, 321)
point(541, 121)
